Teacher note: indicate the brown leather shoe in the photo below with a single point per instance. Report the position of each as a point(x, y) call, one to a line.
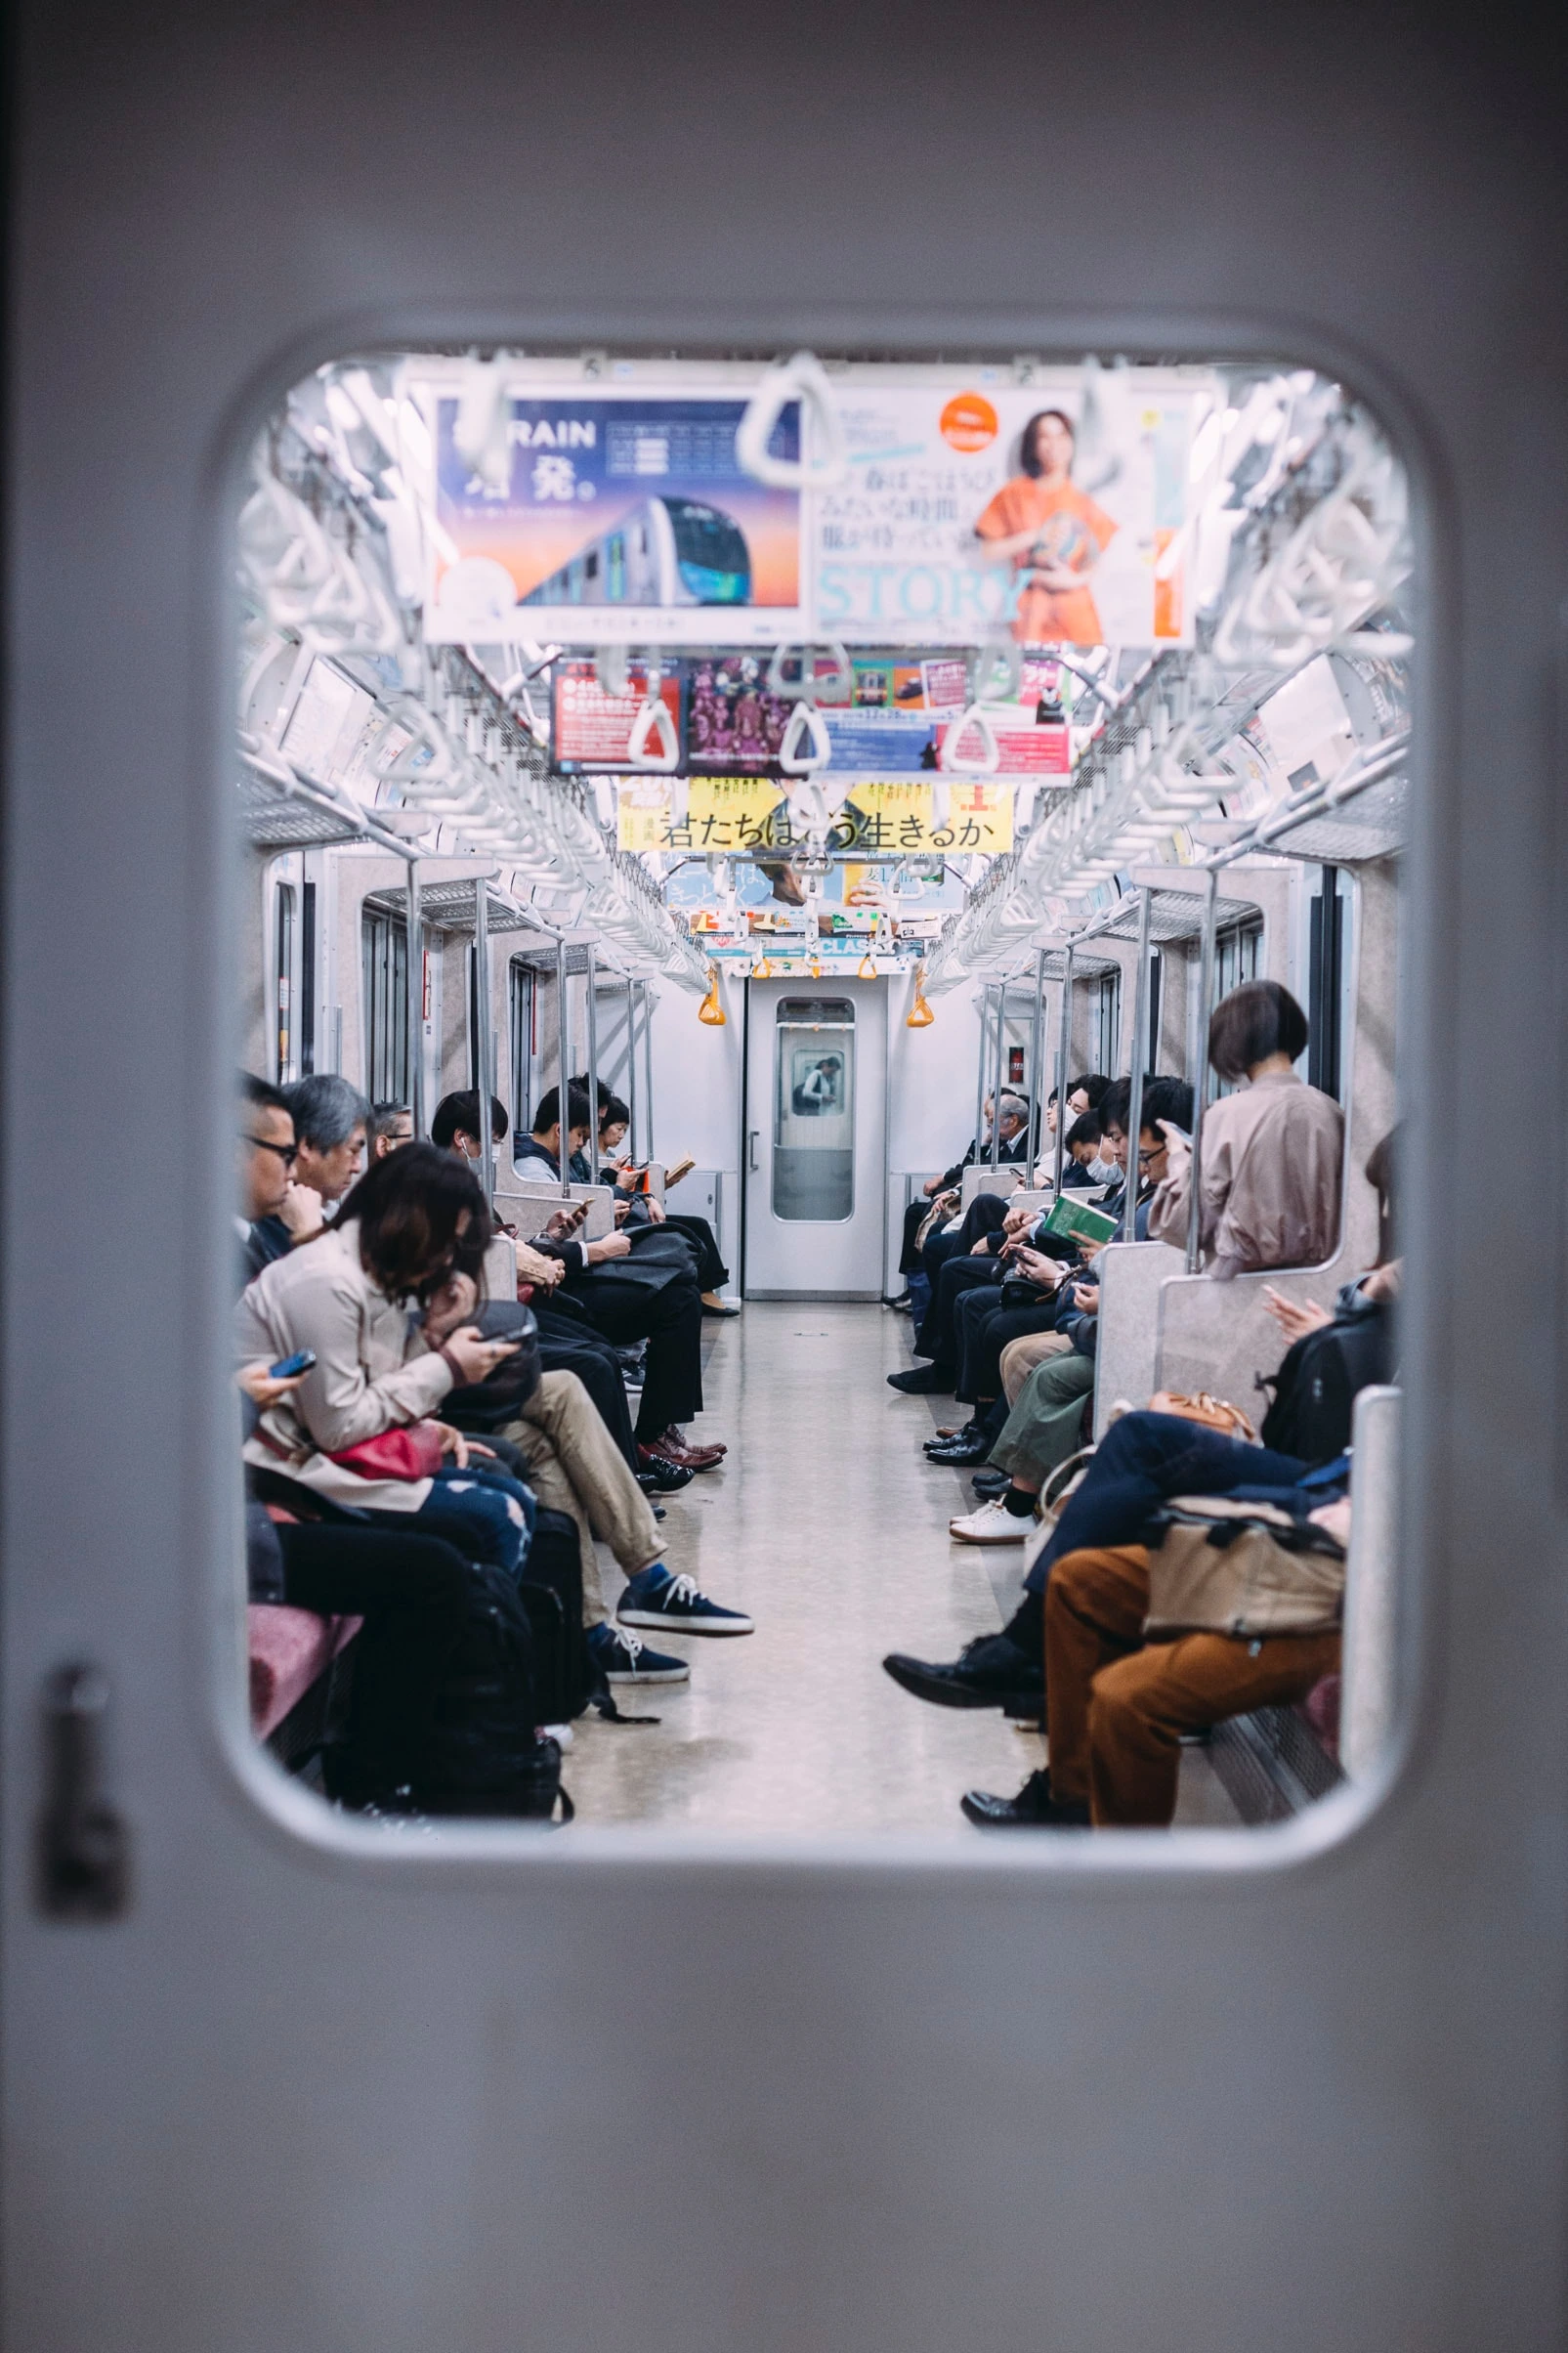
point(676, 1449)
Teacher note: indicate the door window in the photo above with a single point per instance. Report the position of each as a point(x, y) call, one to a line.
point(814, 1111)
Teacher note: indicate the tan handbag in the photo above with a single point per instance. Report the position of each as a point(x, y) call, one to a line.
point(1219, 1566)
point(1210, 1413)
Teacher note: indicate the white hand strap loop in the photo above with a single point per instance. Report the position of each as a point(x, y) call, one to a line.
point(838, 686)
point(654, 719)
point(989, 760)
point(806, 725)
point(801, 379)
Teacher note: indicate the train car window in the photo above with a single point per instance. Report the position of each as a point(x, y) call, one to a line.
point(915, 848)
point(1326, 983)
point(1108, 1022)
point(814, 1111)
point(283, 992)
point(384, 978)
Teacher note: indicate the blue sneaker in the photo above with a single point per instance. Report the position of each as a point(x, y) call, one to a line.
point(626, 1658)
point(655, 1598)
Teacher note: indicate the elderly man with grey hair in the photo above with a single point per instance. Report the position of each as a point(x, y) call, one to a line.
point(329, 1127)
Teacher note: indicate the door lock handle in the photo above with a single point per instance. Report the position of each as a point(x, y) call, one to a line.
point(751, 1149)
point(83, 1850)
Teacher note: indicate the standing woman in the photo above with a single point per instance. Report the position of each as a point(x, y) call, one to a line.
point(411, 1235)
point(1273, 1152)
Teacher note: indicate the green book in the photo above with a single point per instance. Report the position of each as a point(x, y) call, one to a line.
point(1083, 1219)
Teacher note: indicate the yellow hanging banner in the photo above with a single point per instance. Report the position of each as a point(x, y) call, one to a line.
point(728, 812)
point(899, 817)
point(643, 813)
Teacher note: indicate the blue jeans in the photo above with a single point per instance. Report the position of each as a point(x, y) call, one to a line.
point(1141, 1460)
point(481, 1513)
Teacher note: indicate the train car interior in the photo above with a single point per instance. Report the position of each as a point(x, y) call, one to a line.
point(783, 1246)
point(843, 814)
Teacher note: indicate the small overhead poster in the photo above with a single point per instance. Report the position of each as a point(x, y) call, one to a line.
point(625, 516)
point(1042, 508)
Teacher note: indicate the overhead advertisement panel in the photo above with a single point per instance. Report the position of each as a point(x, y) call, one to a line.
point(613, 517)
point(1040, 509)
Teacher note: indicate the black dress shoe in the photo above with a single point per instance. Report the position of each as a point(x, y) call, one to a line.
point(926, 1381)
point(969, 1446)
point(1033, 1808)
point(989, 1483)
point(657, 1477)
point(990, 1672)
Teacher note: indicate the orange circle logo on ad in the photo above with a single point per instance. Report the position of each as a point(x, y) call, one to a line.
point(969, 421)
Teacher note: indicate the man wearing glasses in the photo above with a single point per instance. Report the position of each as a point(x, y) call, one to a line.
point(274, 1213)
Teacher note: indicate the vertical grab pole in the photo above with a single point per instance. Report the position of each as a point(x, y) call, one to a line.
point(1036, 1048)
point(1140, 1058)
point(414, 1010)
point(593, 1070)
point(980, 1071)
point(1199, 1070)
point(631, 1071)
point(482, 1023)
point(996, 1092)
point(563, 1060)
point(648, 1066)
point(1063, 1044)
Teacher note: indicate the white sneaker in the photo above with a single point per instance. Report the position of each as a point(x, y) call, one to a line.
point(992, 1523)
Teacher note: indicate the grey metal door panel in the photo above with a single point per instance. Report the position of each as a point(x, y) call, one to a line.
point(298, 2100)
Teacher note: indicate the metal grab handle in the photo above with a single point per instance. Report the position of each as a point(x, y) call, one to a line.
point(805, 688)
point(751, 1149)
point(83, 1847)
point(805, 720)
point(989, 760)
point(654, 718)
point(801, 379)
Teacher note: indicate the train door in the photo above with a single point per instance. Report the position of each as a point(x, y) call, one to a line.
point(271, 2080)
point(816, 1087)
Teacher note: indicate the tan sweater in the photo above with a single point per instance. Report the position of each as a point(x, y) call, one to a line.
point(372, 1371)
point(1272, 1155)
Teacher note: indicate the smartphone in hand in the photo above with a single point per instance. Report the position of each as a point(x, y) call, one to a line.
point(289, 1367)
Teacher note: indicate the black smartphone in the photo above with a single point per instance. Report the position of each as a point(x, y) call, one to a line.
point(287, 1366)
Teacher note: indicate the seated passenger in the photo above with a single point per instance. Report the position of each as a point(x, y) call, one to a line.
point(455, 1125)
point(950, 1181)
point(407, 1227)
point(1142, 1459)
point(1121, 1705)
point(1046, 1422)
point(266, 1165)
point(329, 1124)
point(628, 1295)
point(1272, 1153)
point(390, 1125)
point(1082, 1150)
point(614, 1170)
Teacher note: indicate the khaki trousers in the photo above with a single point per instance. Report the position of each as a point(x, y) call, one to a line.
point(1118, 1706)
point(574, 1466)
point(1020, 1357)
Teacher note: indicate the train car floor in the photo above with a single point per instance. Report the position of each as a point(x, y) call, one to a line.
point(827, 1524)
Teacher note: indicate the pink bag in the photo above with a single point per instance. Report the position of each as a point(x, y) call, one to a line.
point(412, 1453)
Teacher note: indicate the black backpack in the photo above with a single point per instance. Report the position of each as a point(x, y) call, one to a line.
point(485, 1406)
point(484, 1754)
point(1314, 1391)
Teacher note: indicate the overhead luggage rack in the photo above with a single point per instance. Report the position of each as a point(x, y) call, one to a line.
point(450, 907)
point(1373, 825)
point(276, 820)
point(1173, 915)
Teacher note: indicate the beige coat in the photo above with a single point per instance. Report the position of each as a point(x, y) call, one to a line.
point(373, 1370)
point(1272, 1156)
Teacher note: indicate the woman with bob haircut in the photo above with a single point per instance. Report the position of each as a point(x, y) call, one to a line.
point(412, 1233)
point(1269, 1192)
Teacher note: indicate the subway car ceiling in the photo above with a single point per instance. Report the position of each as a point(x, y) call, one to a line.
point(951, 673)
